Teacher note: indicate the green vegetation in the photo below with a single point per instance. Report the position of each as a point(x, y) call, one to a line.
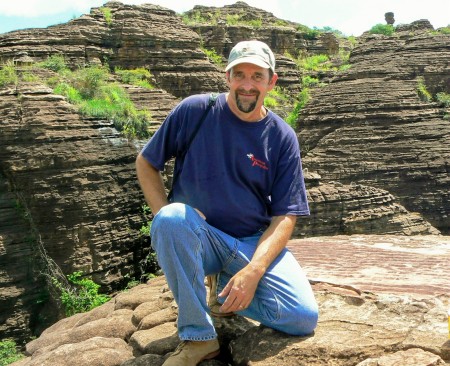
point(107, 14)
point(314, 63)
point(145, 229)
point(424, 94)
point(56, 63)
point(139, 77)
point(9, 352)
point(8, 74)
point(313, 33)
point(302, 100)
point(81, 296)
point(386, 29)
point(445, 30)
point(149, 265)
point(213, 57)
point(91, 91)
point(197, 17)
point(443, 99)
point(276, 97)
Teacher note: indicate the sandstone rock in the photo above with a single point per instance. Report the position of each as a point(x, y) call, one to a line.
point(349, 209)
point(355, 327)
point(68, 183)
point(413, 356)
point(105, 351)
point(369, 126)
point(378, 263)
point(147, 36)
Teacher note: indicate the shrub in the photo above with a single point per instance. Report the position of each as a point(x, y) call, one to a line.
point(140, 77)
point(81, 297)
point(89, 80)
point(276, 96)
point(88, 89)
point(424, 94)
point(302, 99)
point(308, 33)
point(8, 352)
point(213, 57)
point(55, 63)
point(107, 14)
point(386, 29)
point(8, 74)
point(315, 63)
point(443, 99)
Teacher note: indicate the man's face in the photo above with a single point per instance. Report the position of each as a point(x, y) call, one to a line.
point(249, 85)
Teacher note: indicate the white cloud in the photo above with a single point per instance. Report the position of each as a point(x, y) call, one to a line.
point(37, 8)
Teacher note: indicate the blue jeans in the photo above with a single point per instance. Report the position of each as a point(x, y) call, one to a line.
point(188, 249)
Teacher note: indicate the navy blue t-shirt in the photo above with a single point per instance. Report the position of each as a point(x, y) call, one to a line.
point(239, 174)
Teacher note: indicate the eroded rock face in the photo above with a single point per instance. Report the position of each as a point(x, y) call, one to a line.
point(369, 125)
point(354, 328)
point(68, 183)
point(381, 152)
point(136, 36)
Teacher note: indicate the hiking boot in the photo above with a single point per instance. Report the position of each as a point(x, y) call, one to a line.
point(190, 353)
point(213, 304)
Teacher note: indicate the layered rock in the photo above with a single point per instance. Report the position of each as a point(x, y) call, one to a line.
point(369, 125)
point(350, 209)
point(69, 183)
point(282, 36)
point(137, 328)
point(136, 36)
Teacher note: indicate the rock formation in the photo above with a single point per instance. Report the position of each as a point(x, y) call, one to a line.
point(355, 328)
point(369, 125)
point(136, 36)
point(375, 155)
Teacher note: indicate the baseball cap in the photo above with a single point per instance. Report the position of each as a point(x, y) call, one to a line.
point(253, 52)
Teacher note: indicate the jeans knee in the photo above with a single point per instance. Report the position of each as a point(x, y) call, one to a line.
point(168, 216)
point(306, 322)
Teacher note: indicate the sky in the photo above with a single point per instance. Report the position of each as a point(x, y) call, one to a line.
point(351, 17)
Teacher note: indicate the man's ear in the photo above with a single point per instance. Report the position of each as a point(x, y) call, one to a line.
point(273, 81)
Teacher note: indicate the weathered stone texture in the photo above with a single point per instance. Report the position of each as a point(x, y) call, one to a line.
point(69, 183)
point(355, 327)
point(377, 155)
point(138, 36)
point(369, 126)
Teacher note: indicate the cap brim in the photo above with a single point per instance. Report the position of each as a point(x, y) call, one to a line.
point(248, 60)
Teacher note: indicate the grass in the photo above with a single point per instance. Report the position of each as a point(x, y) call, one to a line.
point(139, 77)
point(90, 90)
point(213, 57)
point(424, 94)
point(314, 63)
point(8, 74)
point(443, 99)
point(386, 29)
point(9, 352)
point(81, 296)
point(107, 14)
point(302, 100)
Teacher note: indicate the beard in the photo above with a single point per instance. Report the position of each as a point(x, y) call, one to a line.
point(244, 105)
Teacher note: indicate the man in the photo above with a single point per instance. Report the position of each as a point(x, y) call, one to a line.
point(234, 208)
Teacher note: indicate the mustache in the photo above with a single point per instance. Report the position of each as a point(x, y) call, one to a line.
point(251, 91)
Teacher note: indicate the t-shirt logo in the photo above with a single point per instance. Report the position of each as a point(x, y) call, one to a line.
point(256, 162)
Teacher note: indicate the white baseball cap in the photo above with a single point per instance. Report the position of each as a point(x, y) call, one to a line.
point(253, 52)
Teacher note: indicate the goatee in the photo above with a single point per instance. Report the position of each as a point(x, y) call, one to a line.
point(246, 107)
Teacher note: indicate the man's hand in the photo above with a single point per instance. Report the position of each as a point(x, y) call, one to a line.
point(240, 290)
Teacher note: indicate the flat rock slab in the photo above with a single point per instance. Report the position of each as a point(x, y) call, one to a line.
point(378, 263)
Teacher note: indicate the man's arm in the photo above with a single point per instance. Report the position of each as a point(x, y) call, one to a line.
point(240, 290)
point(151, 183)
